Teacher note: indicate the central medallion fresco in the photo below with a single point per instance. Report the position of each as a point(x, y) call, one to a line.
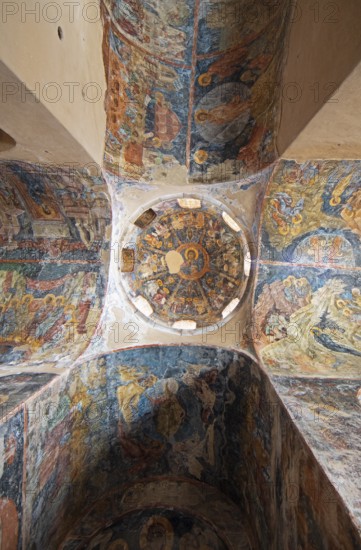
point(185, 264)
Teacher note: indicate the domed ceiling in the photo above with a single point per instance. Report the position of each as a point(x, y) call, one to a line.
point(184, 263)
point(193, 87)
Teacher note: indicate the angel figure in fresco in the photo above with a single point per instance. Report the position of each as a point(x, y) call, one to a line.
point(228, 64)
point(285, 205)
point(351, 213)
point(284, 212)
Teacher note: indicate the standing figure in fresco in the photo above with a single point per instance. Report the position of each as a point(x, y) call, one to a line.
point(54, 323)
point(166, 123)
point(34, 328)
point(99, 214)
point(223, 113)
point(133, 153)
point(9, 213)
point(336, 250)
point(229, 63)
point(85, 232)
point(250, 153)
point(9, 524)
point(9, 318)
point(317, 248)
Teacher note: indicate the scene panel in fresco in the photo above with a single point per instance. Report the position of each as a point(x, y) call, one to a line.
point(312, 214)
point(308, 321)
point(235, 110)
point(172, 409)
point(147, 111)
point(11, 480)
point(53, 236)
point(163, 29)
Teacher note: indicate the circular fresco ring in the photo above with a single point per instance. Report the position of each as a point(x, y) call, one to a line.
point(185, 266)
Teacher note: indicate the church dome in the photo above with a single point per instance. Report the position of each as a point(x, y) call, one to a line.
point(185, 264)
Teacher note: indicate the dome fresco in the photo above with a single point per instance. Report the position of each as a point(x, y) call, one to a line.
point(189, 261)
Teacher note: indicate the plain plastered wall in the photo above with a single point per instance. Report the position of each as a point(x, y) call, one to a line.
point(324, 47)
point(54, 49)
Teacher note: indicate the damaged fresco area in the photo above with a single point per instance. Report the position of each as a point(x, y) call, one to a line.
point(307, 321)
point(11, 481)
point(327, 411)
point(157, 528)
point(311, 214)
point(167, 529)
point(193, 88)
point(54, 227)
point(17, 388)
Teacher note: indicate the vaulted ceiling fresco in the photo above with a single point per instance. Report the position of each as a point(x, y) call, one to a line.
point(248, 442)
point(53, 264)
point(193, 87)
point(308, 302)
